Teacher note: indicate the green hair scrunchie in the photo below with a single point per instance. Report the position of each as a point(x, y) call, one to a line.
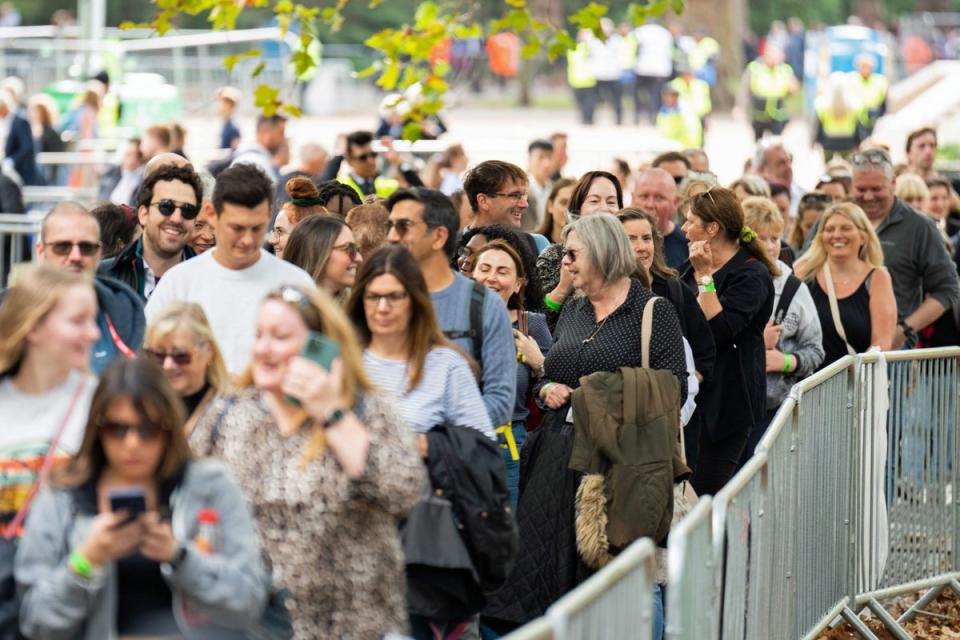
point(747, 235)
point(306, 202)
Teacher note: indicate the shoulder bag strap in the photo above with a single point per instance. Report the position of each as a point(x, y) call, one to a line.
point(834, 309)
point(215, 430)
point(41, 478)
point(646, 329)
point(790, 288)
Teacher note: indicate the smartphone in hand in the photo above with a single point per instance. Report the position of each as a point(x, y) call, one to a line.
point(321, 350)
point(132, 500)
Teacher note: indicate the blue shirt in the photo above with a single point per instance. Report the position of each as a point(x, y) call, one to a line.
point(452, 308)
point(675, 248)
point(229, 134)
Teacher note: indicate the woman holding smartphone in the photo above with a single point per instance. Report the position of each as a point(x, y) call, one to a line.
point(328, 466)
point(183, 541)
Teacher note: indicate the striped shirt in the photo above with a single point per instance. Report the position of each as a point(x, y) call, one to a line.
point(447, 393)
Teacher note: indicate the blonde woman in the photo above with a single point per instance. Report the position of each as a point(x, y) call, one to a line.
point(913, 190)
point(181, 342)
point(328, 467)
point(49, 321)
point(845, 262)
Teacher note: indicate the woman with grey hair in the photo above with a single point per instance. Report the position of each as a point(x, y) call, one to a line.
point(750, 185)
point(599, 330)
point(201, 235)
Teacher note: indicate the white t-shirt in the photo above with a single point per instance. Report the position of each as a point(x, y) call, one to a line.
point(28, 424)
point(654, 51)
point(230, 298)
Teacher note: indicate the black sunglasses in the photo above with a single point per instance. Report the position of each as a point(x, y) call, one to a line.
point(166, 207)
point(403, 225)
point(65, 248)
point(363, 157)
point(146, 431)
point(180, 358)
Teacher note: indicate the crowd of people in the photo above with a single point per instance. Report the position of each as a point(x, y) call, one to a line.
point(362, 399)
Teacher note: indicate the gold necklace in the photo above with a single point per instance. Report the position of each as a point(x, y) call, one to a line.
point(597, 330)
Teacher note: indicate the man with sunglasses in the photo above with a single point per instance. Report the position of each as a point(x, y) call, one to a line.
point(167, 204)
point(70, 239)
point(924, 276)
point(425, 221)
point(364, 175)
point(230, 280)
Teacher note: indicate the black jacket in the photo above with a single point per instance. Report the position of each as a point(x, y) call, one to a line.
point(736, 395)
point(127, 266)
point(19, 148)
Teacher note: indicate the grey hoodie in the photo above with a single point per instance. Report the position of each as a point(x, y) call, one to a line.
point(229, 585)
point(801, 338)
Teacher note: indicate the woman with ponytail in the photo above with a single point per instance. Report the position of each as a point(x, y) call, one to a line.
point(734, 279)
point(304, 201)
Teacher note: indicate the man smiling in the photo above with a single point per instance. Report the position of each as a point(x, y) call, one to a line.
point(231, 280)
point(167, 204)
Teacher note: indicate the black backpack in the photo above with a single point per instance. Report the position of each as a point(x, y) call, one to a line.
point(468, 467)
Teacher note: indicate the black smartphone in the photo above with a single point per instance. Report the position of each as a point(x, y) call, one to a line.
point(320, 349)
point(132, 500)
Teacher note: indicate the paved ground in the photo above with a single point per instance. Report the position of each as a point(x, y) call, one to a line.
point(504, 133)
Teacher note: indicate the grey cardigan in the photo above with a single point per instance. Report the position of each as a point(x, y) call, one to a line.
point(802, 337)
point(230, 585)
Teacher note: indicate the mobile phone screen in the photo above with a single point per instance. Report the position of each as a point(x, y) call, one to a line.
point(133, 500)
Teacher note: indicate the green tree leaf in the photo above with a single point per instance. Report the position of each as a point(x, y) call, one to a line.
point(412, 131)
point(258, 70)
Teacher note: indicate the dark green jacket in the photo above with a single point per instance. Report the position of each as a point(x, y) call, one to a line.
point(626, 426)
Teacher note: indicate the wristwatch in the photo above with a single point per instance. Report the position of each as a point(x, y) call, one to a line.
point(705, 284)
point(909, 333)
point(335, 416)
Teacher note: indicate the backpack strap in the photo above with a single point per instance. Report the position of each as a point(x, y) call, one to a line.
point(475, 332)
point(790, 289)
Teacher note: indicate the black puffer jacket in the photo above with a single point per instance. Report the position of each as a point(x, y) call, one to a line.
point(543, 573)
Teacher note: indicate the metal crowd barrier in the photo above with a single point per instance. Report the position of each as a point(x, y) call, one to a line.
point(614, 603)
point(45, 195)
point(16, 247)
point(847, 500)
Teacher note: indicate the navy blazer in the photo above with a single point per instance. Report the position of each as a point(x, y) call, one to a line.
point(19, 148)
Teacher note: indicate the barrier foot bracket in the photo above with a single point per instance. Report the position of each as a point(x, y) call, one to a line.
point(920, 604)
point(858, 625)
point(888, 621)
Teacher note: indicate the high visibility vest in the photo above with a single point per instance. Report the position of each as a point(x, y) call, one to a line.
point(682, 125)
point(579, 70)
point(872, 90)
point(769, 88)
point(701, 53)
point(627, 52)
point(383, 187)
point(695, 94)
point(834, 126)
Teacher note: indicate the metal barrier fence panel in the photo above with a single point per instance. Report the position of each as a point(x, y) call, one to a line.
point(744, 541)
point(615, 603)
point(692, 592)
point(16, 246)
point(920, 473)
point(825, 460)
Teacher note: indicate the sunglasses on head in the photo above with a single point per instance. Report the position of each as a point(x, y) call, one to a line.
point(65, 248)
point(870, 156)
point(166, 207)
point(146, 431)
point(180, 358)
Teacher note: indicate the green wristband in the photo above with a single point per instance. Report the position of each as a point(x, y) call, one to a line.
point(787, 363)
point(79, 564)
point(553, 306)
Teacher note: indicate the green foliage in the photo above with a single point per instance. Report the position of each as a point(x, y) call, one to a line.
point(406, 45)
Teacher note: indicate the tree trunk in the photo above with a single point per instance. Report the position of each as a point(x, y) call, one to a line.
point(726, 21)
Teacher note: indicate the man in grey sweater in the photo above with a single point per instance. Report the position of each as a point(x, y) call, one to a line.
point(426, 222)
point(924, 277)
